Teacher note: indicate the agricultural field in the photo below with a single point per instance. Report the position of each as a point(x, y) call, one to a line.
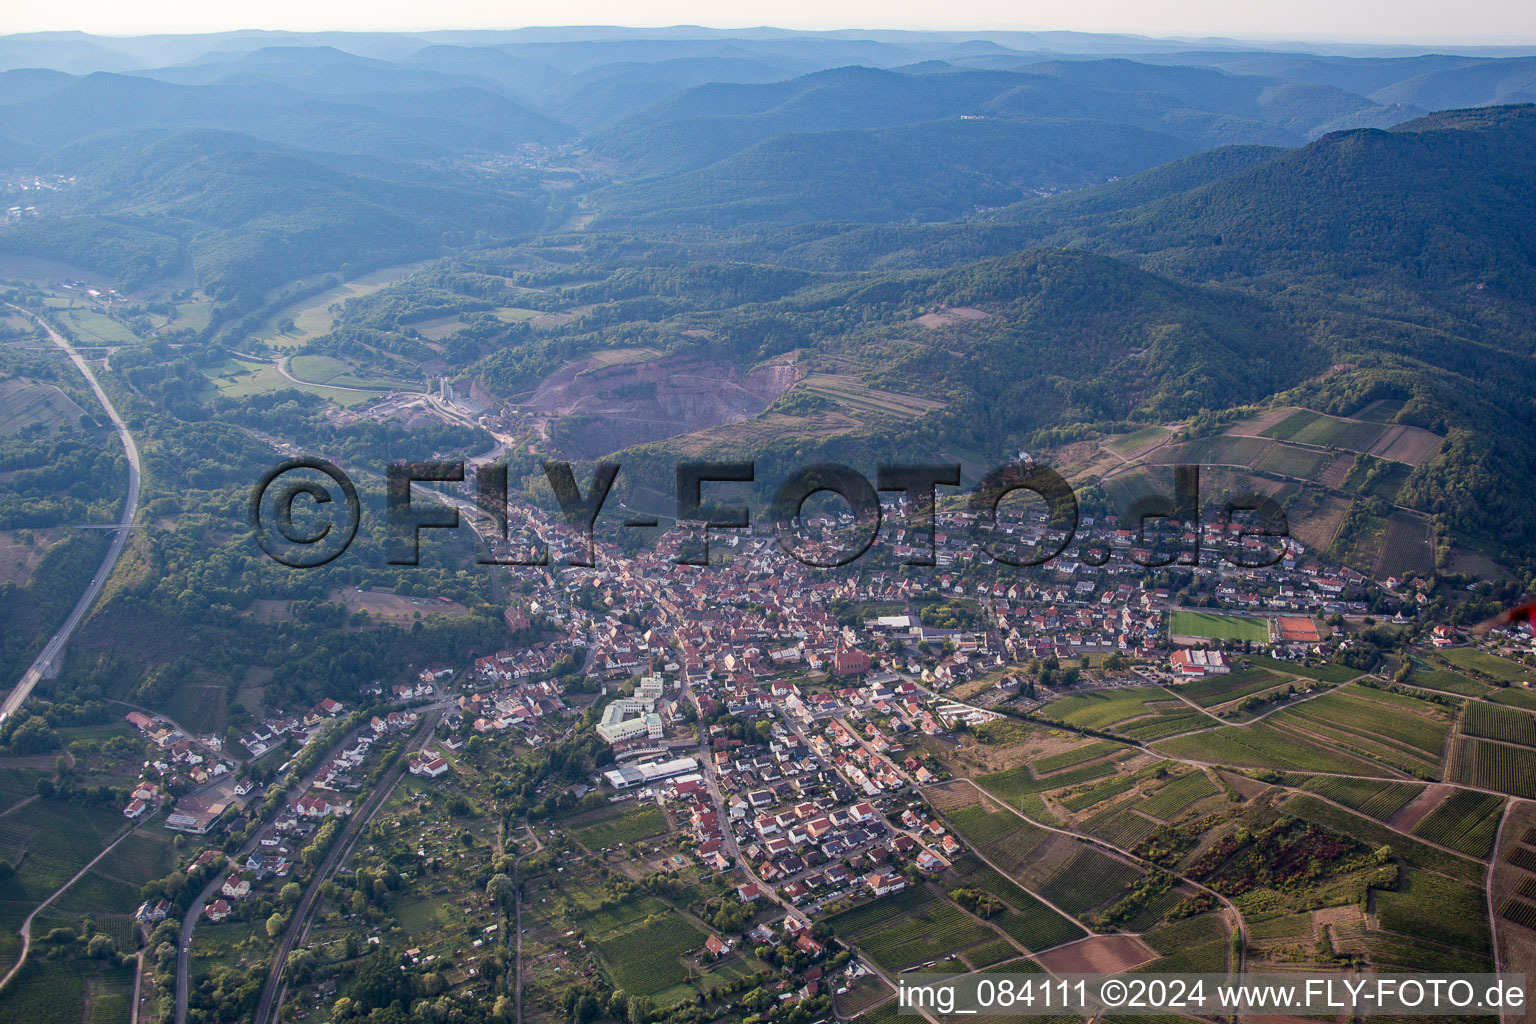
point(1100, 709)
point(1322, 673)
point(24, 402)
point(1465, 821)
point(93, 328)
point(1077, 755)
point(239, 378)
point(1224, 689)
point(1375, 834)
point(1138, 441)
point(1014, 784)
point(852, 395)
point(1088, 879)
point(1002, 837)
point(1495, 722)
point(1173, 797)
point(1436, 911)
point(316, 369)
point(1120, 825)
point(1193, 945)
point(1263, 745)
point(1491, 665)
point(1213, 626)
point(1289, 460)
point(1027, 921)
point(908, 927)
point(1378, 799)
point(1494, 766)
point(1513, 696)
point(644, 960)
point(1313, 428)
point(1353, 719)
point(1445, 681)
point(621, 824)
point(292, 326)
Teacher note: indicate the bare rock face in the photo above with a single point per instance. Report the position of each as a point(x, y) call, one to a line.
point(593, 409)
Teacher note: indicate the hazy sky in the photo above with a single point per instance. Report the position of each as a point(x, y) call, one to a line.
point(1490, 21)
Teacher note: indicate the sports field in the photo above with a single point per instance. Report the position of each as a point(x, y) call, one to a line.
point(1217, 627)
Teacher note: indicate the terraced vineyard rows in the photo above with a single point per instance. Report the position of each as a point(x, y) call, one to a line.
point(1380, 800)
point(1464, 821)
point(1174, 796)
point(1496, 722)
point(1493, 766)
point(1088, 879)
point(909, 927)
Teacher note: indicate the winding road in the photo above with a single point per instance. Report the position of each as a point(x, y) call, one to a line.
point(46, 659)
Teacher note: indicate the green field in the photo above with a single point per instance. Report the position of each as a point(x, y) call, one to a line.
point(1100, 709)
point(313, 316)
point(1464, 821)
point(1322, 673)
point(1504, 769)
point(1314, 428)
point(908, 927)
point(644, 960)
point(1377, 729)
point(1446, 682)
point(1028, 921)
point(1077, 755)
point(240, 378)
point(93, 328)
point(1491, 665)
point(1378, 799)
point(1212, 626)
point(329, 370)
point(1138, 440)
point(1437, 910)
point(635, 821)
point(24, 402)
point(1223, 689)
point(1263, 745)
point(1178, 794)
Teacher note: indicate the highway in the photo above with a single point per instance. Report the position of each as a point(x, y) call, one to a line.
point(44, 662)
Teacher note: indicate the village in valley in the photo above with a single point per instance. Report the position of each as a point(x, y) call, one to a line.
point(762, 790)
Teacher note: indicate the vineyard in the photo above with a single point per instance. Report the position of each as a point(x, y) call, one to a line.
point(1029, 922)
point(1263, 746)
point(1101, 709)
point(1013, 784)
point(1086, 880)
point(1075, 756)
point(1098, 793)
point(1436, 910)
point(1375, 835)
point(1192, 946)
point(1488, 765)
point(644, 960)
point(1464, 821)
point(1120, 826)
point(989, 953)
point(1215, 690)
point(1378, 799)
point(909, 927)
point(1002, 837)
point(1495, 722)
point(1173, 797)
